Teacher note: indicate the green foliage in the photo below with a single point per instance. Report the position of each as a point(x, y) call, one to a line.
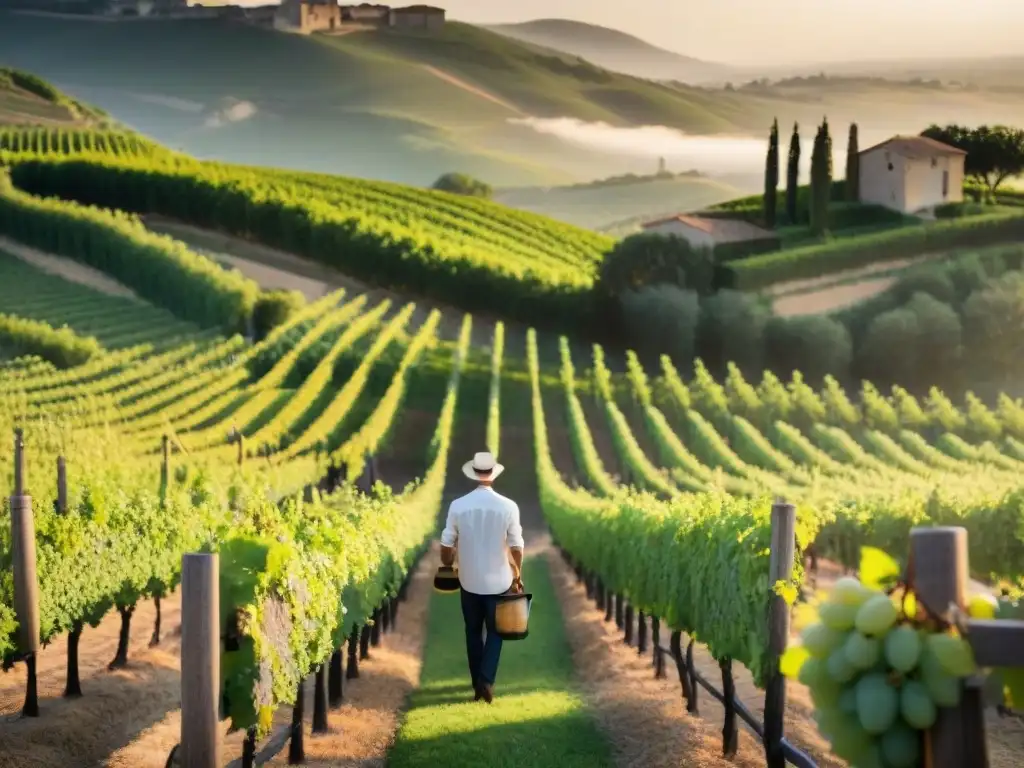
point(157, 268)
point(850, 253)
point(661, 319)
point(61, 346)
point(813, 344)
point(650, 258)
point(460, 250)
point(461, 184)
point(990, 316)
point(731, 330)
point(994, 153)
point(273, 308)
point(722, 592)
point(18, 142)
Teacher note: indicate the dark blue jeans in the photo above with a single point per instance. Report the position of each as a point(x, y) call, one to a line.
point(478, 613)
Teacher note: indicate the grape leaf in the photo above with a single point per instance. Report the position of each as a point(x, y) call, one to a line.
point(791, 662)
point(877, 569)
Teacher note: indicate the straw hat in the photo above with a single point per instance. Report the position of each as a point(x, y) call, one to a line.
point(482, 467)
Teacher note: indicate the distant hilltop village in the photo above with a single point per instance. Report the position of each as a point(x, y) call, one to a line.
point(304, 16)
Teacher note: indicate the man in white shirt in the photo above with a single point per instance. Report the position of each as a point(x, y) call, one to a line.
point(485, 528)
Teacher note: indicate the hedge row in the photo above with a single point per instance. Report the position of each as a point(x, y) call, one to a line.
point(480, 260)
point(158, 268)
point(815, 260)
point(61, 346)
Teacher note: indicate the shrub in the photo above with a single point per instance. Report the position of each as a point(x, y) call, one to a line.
point(461, 184)
point(935, 281)
point(959, 210)
point(650, 258)
point(886, 353)
point(274, 308)
point(816, 345)
point(661, 319)
point(992, 319)
point(731, 329)
point(61, 346)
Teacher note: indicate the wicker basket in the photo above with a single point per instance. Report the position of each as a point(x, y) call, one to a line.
point(512, 616)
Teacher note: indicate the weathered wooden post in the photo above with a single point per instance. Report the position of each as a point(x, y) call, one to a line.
point(26, 586)
point(200, 661)
point(938, 574)
point(62, 486)
point(780, 568)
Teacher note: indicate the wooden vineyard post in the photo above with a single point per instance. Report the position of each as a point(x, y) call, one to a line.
point(938, 575)
point(780, 568)
point(62, 486)
point(26, 587)
point(200, 661)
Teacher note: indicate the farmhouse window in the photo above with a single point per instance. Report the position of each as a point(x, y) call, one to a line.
point(945, 183)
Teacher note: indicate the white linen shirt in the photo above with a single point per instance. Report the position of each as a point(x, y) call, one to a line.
point(482, 523)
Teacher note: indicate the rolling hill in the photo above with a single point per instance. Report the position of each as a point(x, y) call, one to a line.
point(615, 50)
point(381, 104)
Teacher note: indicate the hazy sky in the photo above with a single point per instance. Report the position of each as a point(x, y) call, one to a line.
point(784, 31)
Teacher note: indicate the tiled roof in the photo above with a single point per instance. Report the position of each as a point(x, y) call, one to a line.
point(722, 230)
point(916, 147)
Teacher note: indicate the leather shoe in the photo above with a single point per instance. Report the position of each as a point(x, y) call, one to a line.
point(487, 692)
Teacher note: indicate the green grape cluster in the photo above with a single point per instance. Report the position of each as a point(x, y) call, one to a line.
point(877, 677)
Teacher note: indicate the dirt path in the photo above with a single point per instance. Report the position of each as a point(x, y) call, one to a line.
point(645, 718)
point(116, 706)
point(131, 718)
point(66, 268)
point(829, 299)
point(360, 730)
point(470, 88)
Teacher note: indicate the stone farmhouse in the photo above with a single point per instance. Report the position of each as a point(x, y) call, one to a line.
point(308, 16)
point(715, 233)
point(910, 174)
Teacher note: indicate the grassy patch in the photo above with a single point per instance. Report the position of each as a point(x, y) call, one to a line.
point(535, 719)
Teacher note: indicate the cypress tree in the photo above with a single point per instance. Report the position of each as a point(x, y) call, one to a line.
point(821, 179)
point(852, 166)
point(771, 177)
point(793, 175)
point(817, 174)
